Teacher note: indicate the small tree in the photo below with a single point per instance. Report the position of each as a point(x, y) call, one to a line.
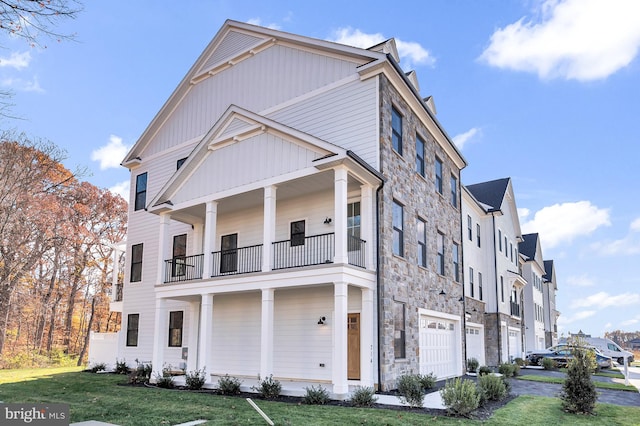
point(578, 391)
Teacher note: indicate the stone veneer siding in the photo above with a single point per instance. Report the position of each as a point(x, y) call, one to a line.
point(401, 279)
point(491, 346)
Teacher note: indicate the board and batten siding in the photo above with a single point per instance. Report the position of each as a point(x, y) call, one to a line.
point(345, 116)
point(232, 43)
point(251, 160)
point(272, 77)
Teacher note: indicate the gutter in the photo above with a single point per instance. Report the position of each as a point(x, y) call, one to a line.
point(495, 273)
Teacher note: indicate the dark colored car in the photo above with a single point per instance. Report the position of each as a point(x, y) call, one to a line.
point(563, 353)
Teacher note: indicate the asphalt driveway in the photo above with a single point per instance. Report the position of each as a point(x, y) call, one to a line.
point(527, 387)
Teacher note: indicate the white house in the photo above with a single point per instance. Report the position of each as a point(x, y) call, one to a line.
point(534, 272)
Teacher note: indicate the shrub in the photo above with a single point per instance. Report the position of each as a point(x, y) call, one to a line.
point(195, 379)
point(428, 381)
point(165, 379)
point(520, 362)
point(268, 388)
point(507, 370)
point(516, 369)
point(316, 396)
point(60, 358)
point(484, 370)
point(98, 366)
point(549, 364)
point(363, 397)
point(121, 367)
point(411, 390)
point(491, 388)
point(229, 385)
point(460, 397)
point(578, 391)
point(141, 374)
point(472, 365)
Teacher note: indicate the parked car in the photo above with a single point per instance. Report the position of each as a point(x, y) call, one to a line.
point(563, 353)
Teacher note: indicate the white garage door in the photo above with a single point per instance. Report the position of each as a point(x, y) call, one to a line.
point(514, 345)
point(438, 347)
point(475, 343)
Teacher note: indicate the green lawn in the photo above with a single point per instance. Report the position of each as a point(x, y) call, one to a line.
point(602, 385)
point(100, 397)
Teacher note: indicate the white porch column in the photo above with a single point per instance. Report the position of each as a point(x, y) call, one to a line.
point(266, 337)
point(194, 320)
point(163, 238)
point(160, 337)
point(367, 219)
point(340, 214)
point(269, 226)
point(339, 372)
point(366, 338)
point(210, 224)
point(206, 329)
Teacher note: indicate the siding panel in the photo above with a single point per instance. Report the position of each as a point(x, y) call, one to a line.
point(233, 43)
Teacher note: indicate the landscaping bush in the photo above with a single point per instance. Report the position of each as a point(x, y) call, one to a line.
point(484, 370)
point(316, 396)
point(411, 390)
point(549, 364)
point(520, 362)
point(460, 397)
point(141, 374)
point(121, 367)
point(195, 379)
point(472, 365)
point(98, 366)
point(578, 391)
point(491, 388)
point(268, 388)
point(229, 385)
point(428, 381)
point(363, 397)
point(165, 379)
point(507, 370)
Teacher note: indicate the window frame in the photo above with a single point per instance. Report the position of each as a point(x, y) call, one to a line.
point(132, 332)
point(422, 242)
point(470, 227)
point(176, 322)
point(454, 190)
point(399, 328)
point(455, 264)
point(296, 236)
point(440, 254)
point(140, 199)
point(478, 243)
point(471, 283)
point(438, 175)
point(420, 164)
point(396, 134)
point(480, 285)
point(135, 271)
point(398, 233)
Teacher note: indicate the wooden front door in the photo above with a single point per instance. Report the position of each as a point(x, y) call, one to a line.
point(353, 346)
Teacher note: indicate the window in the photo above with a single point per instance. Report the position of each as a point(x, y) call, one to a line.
point(480, 285)
point(478, 234)
point(500, 240)
point(440, 265)
point(399, 348)
point(471, 284)
point(469, 228)
point(175, 329)
point(506, 254)
point(353, 226)
point(396, 130)
point(456, 262)
point(419, 155)
point(398, 229)
point(141, 191)
point(454, 191)
point(136, 263)
point(132, 329)
point(229, 253)
point(180, 162)
point(422, 242)
point(502, 289)
point(297, 233)
point(438, 175)
point(511, 250)
point(178, 264)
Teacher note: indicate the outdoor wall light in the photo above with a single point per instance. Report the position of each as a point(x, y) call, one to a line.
point(461, 299)
point(442, 293)
point(322, 320)
point(327, 221)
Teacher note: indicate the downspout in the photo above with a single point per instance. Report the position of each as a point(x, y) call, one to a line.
point(464, 300)
point(378, 283)
point(495, 273)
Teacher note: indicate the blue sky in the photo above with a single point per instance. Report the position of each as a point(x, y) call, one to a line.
point(545, 92)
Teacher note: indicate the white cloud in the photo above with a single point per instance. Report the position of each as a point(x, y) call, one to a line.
point(412, 52)
point(111, 154)
point(22, 84)
point(626, 246)
point(580, 281)
point(561, 223)
point(523, 213)
point(571, 39)
point(461, 139)
point(121, 189)
point(578, 316)
point(16, 60)
point(629, 322)
point(603, 300)
point(635, 225)
point(258, 21)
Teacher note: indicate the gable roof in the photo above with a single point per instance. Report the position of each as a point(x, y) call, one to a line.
point(491, 193)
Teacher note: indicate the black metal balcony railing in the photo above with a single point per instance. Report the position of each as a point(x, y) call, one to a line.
point(183, 268)
point(117, 296)
point(237, 261)
point(357, 251)
point(314, 250)
point(515, 309)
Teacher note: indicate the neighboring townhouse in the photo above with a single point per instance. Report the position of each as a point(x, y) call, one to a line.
point(551, 314)
point(494, 285)
point(295, 212)
point(534, 300)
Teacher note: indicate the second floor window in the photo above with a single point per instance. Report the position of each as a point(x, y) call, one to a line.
point(471, 284)
point(478, 234)
point(141, 191)
point(396, 130)
point(469, 228)
point(456, 262)
point(438, 176)
point(136, 263)
point(440, 258)
point(419, 155)
point(422, 242)
point(398, 229)
point(480, 285)
point(353, 225)
point(297, 233)
point(454, 191)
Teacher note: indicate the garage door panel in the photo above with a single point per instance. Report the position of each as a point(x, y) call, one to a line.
point(437, 347)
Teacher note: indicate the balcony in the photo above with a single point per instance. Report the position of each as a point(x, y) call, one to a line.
point(117, 293)
point(515, 309)
point(294, 253)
